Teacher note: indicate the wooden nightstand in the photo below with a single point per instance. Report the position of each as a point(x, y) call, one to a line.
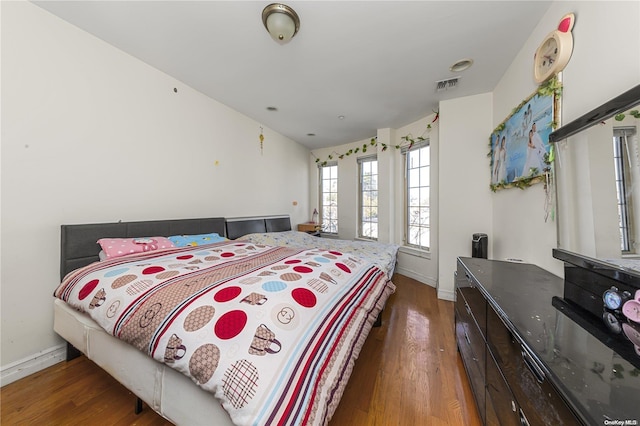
point(309, 228)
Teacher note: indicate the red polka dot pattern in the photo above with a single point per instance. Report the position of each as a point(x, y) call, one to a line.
point(343, 267)
point(302, 269)
point(304, 297)
point(152, 270)
point(230, 324)
point(87, 289)
point(227, 294)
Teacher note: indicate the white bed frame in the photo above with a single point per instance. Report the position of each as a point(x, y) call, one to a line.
point(168, 392)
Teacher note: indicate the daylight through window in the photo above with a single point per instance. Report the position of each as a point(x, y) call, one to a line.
point(329, 198)
point(368, 202)
point(417, 192)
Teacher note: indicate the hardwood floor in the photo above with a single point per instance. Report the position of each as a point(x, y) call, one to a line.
point(409, 373)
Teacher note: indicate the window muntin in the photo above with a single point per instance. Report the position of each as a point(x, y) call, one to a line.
point(368, 197)
point(329, 198)
point(417, 195)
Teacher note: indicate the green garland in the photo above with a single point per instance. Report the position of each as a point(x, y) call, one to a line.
point(407, 140)
point(552, 87)
point(634, 113)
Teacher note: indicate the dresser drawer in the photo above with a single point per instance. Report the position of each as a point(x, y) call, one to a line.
point(472, 363)
point(539, 401)
point(501, 406)
point(474, 299)
point(472, 335)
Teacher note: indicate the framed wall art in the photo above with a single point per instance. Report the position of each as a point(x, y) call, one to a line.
point(520, 144)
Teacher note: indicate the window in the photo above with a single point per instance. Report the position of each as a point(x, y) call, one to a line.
point(417, 168)
point(329, 198)
point(368, 202)
point(623, 181)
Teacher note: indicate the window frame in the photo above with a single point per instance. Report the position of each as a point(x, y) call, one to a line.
point(321, 217)
point(361, 222)
point(407, 208)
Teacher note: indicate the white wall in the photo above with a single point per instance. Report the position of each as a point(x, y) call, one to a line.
point(91, 134)
point(605, 63)
point(464, 205)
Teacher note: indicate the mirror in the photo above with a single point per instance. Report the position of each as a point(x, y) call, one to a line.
point(597, 173)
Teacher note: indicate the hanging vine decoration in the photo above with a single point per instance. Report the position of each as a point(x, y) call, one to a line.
point(634, 113)
point(407, 140)
point(261, 137)
point(552, 87)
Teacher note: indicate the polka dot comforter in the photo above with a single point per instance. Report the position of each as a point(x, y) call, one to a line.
point(382, 254)
point(272, 332)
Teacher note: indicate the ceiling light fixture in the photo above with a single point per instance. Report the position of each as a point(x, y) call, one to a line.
point(281, 21)
point(461, 65)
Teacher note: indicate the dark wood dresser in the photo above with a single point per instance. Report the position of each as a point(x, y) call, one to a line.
point(530, 359)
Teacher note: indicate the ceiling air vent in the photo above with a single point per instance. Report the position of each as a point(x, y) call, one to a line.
point(448, 84)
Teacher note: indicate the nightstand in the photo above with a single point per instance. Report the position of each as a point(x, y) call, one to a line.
point(310, 228)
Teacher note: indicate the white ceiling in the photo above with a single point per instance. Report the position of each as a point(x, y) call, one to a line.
point(374, 62)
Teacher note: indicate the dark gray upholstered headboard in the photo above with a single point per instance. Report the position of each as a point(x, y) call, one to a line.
point(278, 224)
point(78, 243)
point(238, 227)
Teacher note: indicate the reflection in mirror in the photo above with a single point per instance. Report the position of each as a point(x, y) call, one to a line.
point(597, 173)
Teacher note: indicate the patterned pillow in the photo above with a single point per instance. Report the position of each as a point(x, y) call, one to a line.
point(196, 240)
point(116, 247)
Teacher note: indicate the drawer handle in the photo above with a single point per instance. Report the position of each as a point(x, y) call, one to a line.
point(533, 366)
point(466, 336)
point(523, 419)
point(467, 308)
point(469, 279)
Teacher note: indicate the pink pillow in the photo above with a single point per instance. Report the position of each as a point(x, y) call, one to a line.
point(116, 247)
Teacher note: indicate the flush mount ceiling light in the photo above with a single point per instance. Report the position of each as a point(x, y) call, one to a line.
point(281, 22)
point(461, 65)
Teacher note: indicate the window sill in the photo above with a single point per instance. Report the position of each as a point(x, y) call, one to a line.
point(331, 236)
point(415, 252)
point(369, 240)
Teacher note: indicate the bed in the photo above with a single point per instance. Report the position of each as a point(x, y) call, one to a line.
point(210, 356)
point(383, 255)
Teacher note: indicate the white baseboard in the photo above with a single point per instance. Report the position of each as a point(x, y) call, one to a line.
point(32, 364)
point(442, 294)
point(416, 276)
point(446, 295)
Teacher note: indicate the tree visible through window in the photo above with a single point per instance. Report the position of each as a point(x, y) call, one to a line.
point(329, 198)
point(417, 168)
point(368, 202)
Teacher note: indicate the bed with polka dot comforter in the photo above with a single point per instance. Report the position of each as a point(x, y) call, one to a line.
point(382, 254)
point(272, 332)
